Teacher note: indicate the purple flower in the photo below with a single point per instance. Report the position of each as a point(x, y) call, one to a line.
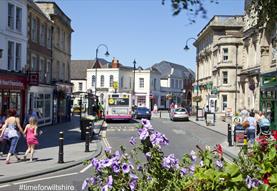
point(146, 123)
point(132, 141)
point(143, 133)
point(108, 150)
point(94, 162)
point(248, 181)
point(139, 167)
point(192, 168)
point(219, 163)
point(148, 155)
point(85, 184)
point(252, 183)
point(158, 139)
point(125, 168)
point(105, 188)
point(133, 185)
point(256, 182)
point(110, 181)
point(201, 163)
point(149, 178)
point(133, 177)
point(107, 163)
point(193, 155)
point(93, 180)
point(170, 162)
point(183, 171)
point(116, 168)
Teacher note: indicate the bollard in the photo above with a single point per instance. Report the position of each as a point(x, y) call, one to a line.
point(60, 159)
point(229, 135)
point(244, 147)
point(160, 114)
point(87, 139)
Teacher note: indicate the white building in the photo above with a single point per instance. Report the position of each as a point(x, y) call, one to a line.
point(13, 34)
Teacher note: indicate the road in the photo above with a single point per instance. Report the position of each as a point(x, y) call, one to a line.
point(183, 136)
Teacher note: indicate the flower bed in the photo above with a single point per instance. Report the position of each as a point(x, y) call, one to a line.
point(201, 170)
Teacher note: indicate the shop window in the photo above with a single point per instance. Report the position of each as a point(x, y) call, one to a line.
point(225, 77)
point(141, 82)
point(141, 100)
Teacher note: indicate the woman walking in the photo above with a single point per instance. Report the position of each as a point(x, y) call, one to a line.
point(31, 137)
point(12, 125)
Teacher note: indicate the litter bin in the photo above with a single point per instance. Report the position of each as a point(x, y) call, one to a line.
point(85, 122)
point(239, 132)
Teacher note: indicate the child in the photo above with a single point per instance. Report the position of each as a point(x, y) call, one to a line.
point(31, 137)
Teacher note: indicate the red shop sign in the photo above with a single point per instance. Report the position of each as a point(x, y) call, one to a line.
point(12, 82)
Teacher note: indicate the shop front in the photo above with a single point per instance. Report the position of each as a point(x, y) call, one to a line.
point(40, 99)
point(62, 102)
point(13, 92)
point(268, 98)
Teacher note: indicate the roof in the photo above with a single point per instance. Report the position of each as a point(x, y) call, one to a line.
point(79, 68)
point(179, 71)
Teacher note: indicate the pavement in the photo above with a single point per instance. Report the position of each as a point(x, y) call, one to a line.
point(46, 154)
point(219, 127)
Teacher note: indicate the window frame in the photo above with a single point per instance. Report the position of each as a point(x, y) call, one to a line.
point(102, 81)
point(80, 86)
point(11, 13)
point(10, 55)
point(225, 55)
point(111, 81)
point(93, 80)
point(224, 77)
point(18, 56)
point(141, 82)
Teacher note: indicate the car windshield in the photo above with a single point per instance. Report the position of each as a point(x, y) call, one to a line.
point(180, 110)
point(142, 109)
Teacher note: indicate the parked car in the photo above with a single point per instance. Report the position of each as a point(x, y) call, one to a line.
point(179, 114)
point(142, 112)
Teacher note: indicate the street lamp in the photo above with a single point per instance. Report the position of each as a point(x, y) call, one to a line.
point(134, 63)
point(197, 80)
point(96, 61)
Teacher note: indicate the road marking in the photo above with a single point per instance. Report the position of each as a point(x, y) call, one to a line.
point(46, 178)
point(5, 185)
point(179, 131)
point(86, 168)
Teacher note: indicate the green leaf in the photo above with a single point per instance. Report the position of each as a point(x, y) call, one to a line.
point(272, 153)
point(273, 179)
point(239, 178)
point(232, 169)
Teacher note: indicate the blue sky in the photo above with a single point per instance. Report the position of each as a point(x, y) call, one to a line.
point(144, 30)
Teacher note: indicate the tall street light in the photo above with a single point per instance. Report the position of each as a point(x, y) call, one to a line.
point(197, 80)
point(134, 63)
point(97, 62)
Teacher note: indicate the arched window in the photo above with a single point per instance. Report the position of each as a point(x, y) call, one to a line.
point(111, 80)
point(102, 81)
point(93, 80)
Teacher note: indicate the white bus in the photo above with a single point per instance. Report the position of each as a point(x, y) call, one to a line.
point(118, 106)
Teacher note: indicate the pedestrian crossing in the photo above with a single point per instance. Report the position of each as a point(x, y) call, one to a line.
point(121, 128)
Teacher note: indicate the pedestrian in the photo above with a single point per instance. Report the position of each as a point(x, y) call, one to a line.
point(264, 125)
point(31, 137)
point(251, 130)
point(12, 124)
point(155, 110)
point(244, 114)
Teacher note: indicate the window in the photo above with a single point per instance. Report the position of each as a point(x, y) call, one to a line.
point(18, 23)
point(155, 83)
point(63, 40)
point(58, 37)
point(224, 102)
point(42, 70)
point(93, 80)
point(80, 86)
point(141, 82)
point(225, 77)
point(48, 74)
point(34, 63)
point(42, 34)
point(10, 55)
point(141, 100)
point(18, 57)
point(11, 16)
point(49, 38)
point(176, 84)
point(121, 81)
point(34, 29)
point(58, 70)
point(63, 71)
point(172, 83)
point(102, 80)
point(111, 80)
point(225, 54)
point(180, 84)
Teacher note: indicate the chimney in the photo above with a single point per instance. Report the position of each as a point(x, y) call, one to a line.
point(115, 63)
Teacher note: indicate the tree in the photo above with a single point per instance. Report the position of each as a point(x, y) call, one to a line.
point(266, 10)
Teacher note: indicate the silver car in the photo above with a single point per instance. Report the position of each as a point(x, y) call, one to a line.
point(179, 114)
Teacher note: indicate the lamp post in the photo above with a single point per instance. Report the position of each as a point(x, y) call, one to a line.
point(197, 77)
point(96, 62)
point(134, 63)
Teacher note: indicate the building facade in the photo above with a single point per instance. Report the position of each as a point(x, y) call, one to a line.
point(39, 59)
point(219, 47)
point(61, 54)
point(13, 47)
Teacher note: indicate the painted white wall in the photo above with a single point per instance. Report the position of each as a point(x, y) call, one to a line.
point(7, 34)
point(76, 85)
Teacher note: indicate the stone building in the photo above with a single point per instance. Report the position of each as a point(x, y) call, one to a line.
point(219, 47)
point(61, 54)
